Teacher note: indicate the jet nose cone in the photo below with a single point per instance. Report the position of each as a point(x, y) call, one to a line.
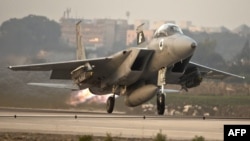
point(193, 45)
point(184, 46)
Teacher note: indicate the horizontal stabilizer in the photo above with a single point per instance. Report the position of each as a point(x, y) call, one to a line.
point(54, 85)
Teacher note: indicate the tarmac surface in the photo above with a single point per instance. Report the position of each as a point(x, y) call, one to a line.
point(120, 125)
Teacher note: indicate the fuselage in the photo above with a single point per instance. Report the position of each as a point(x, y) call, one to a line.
point(170, 50)
point(168, 46)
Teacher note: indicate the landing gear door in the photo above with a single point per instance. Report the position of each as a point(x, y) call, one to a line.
point(161, 76)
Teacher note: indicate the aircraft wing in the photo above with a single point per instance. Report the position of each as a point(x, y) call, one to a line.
point(212, 73)
point(62, 70)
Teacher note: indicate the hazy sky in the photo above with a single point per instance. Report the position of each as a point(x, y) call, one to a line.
point(230, 13)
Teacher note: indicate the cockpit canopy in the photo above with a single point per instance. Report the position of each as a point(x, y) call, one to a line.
point(167, 30)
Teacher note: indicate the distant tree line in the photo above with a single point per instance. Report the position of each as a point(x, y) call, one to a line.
point(29, 35)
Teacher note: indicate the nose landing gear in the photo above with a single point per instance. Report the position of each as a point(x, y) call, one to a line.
point(160, 101)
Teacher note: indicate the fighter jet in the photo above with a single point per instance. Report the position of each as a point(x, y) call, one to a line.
point(137, 73)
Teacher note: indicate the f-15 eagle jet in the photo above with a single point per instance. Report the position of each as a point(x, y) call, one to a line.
point(137, 73)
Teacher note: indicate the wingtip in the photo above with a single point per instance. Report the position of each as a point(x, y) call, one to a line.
point(10, 67)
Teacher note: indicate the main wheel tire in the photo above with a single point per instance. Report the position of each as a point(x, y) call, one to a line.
point(160, 104)
point(110, 104)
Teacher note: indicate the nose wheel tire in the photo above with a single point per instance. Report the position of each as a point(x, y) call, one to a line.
point(110, 104)
point(160, 103)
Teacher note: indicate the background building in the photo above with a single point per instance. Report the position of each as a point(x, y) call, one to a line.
point(95, 33)
point(157, 24)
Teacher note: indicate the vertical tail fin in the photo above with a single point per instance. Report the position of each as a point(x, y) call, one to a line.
point(140, 35)
point(80, 51)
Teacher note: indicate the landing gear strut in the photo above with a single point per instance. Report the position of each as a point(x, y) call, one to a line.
point(110, 104)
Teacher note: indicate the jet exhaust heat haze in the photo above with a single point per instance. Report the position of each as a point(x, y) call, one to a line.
point(85, 96)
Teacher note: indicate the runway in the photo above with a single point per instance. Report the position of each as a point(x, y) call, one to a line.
point(120, 125)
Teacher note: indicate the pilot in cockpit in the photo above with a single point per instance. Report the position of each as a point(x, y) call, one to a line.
point(167, 30)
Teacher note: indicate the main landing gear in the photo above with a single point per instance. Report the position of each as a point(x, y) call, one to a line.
point(111, 100)
point(110, 104)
